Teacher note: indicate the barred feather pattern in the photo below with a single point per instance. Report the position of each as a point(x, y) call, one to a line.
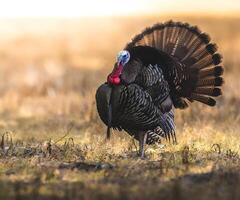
point(151, 74)
point(134, 110)
point(155, 136)
point(165, 131)
point(137, 110)
point(197, 61)
point(154, 83)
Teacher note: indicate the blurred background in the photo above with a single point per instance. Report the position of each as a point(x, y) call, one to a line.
point(54, 54)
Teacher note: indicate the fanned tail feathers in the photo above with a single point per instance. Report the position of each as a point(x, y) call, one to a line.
point(201, 76)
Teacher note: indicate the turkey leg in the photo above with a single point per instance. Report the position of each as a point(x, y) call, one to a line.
point(142, 142)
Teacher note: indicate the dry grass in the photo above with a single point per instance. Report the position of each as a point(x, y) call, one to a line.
point(53, 143)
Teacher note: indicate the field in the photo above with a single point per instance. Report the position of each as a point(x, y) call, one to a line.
point(52, 142)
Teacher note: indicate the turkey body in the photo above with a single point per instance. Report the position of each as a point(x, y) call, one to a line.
point(166, 66)
point(141, 102)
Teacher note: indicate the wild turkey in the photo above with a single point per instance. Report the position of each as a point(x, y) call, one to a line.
point(169, 64)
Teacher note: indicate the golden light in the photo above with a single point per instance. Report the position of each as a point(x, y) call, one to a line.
point(78, 8)
point(73, 8)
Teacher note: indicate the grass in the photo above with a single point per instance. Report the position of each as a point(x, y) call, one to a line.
point(86, 166)
point(52, 142)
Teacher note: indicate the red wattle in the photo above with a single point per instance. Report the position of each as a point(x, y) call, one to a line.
point(114, 77)
point(116, 80)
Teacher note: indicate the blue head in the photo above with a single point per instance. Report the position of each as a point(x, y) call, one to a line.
point(123, 57)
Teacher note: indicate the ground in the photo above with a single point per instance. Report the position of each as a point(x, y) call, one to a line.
point(53, 145)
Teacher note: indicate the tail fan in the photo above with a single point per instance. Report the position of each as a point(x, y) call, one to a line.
point(198, 75)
